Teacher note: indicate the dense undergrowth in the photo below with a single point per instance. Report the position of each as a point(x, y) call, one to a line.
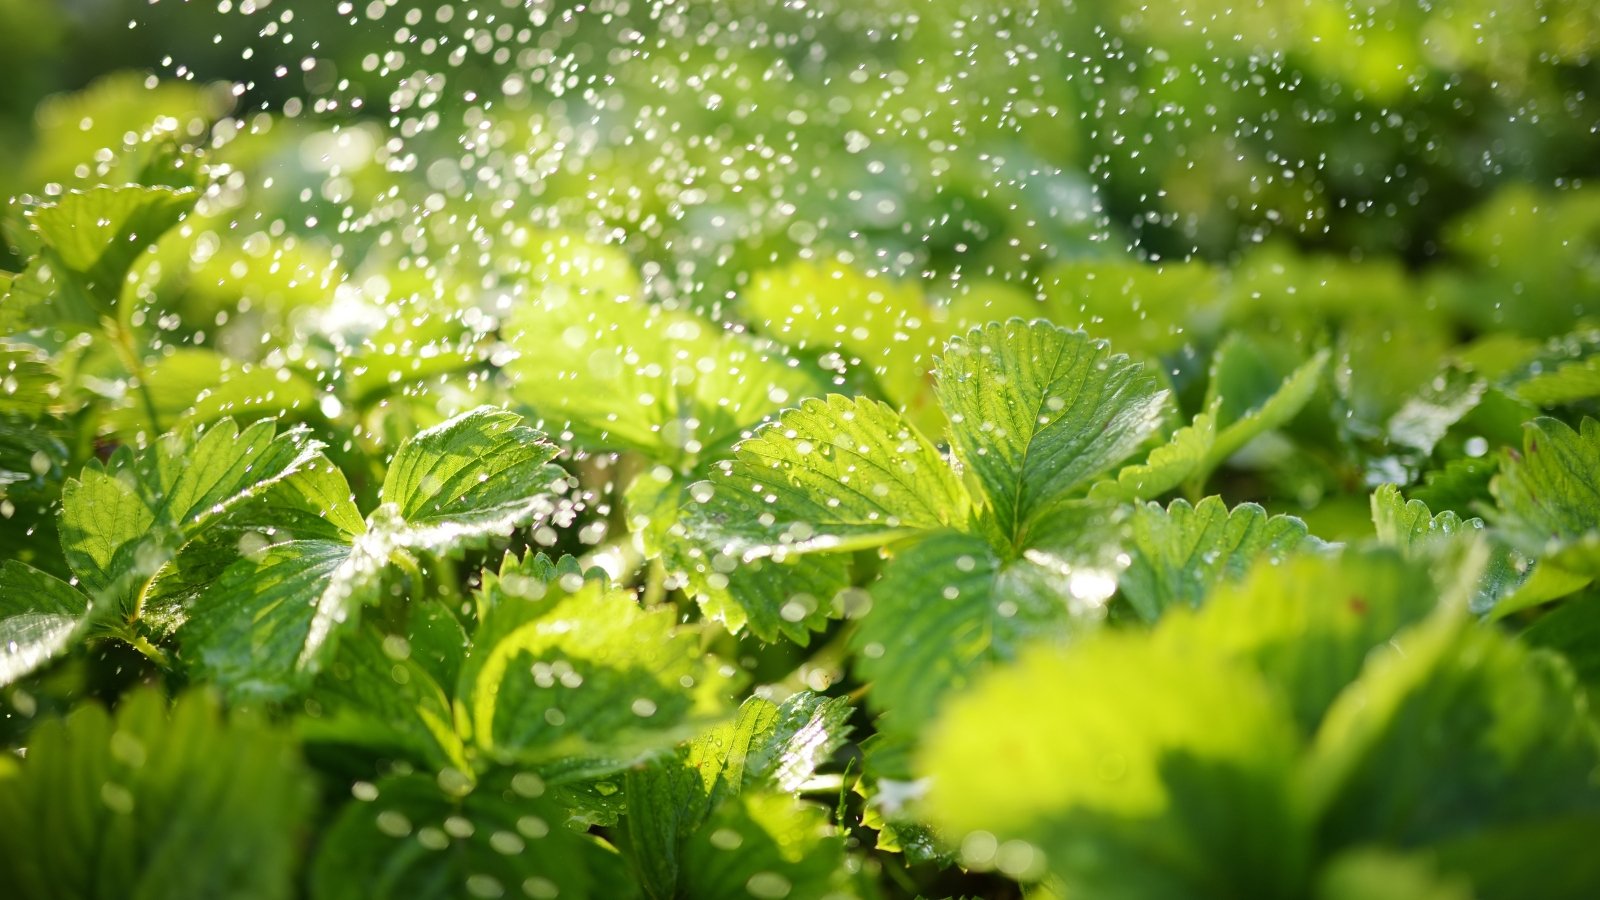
point(473, 556)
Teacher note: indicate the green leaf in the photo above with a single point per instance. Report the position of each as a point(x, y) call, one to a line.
point(29, 385)
point(72, 128)
point(1371, 874)
point(627, 375)
point(40, 617)
point(765, 845)
point(1409, 523)
point(1037, 411)
point(197, 386)
point(377, 693)
point(1308, 623)
point(947, 608)
point(122, 521)
point(1140, 770)
point(790, 599)
point(1460, 484)
point(138, 805)
point(1573, 630)
point(1503, 863)
point(770, 746)
point(479, 474)
point(1249, 400)
point(1413, 528)
point(1455, 730)
point(1549, 495)
point(876, 323)
point(274, 617)
point(1180, 553)
point(1565, 370)
point(420, 838)
point(835, 474)
point(1167, 466)
point(1429, 413)
point(1138, 306)
point(1569, 383)
point(582, 668)
point(90, 240)
point(98, 233)
point(677, 805)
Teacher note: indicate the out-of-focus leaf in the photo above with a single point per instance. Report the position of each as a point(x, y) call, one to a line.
point(1139, 770)
point(1456, 730)
point(1309, 623)
point(155, 802)
point(422, 838)
point(40, 617)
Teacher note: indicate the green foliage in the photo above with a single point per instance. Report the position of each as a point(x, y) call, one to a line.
point(718, 819)
point(1180, 553)
point(1036, 411)
point(861, 574)
point(416, 836)
point(273, 617)
point(135, 804)
point(1318, 707)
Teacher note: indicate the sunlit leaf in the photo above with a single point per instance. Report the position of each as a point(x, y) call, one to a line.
point(1179, 553)
point(1037, 411)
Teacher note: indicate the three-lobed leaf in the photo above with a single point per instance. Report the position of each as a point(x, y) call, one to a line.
point(1037, 411)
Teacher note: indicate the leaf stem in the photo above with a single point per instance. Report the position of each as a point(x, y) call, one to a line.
point(151, 652)
point(122, 340)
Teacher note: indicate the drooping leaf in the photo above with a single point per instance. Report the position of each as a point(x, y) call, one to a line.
point(1139, 770)
point(1429, 413)
point(89, 241)
point(155, 802)
point(1037, 411)
point(98, 233)
point(421, 838)
point(1179, 553)
point(1251, 400)
point(40, 617)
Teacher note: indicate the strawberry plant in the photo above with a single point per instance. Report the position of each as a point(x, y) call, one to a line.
point(510, 480)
